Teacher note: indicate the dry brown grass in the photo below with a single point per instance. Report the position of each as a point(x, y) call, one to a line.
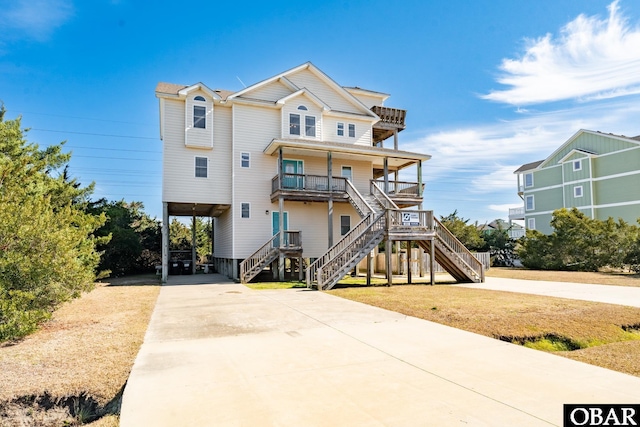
point(600, 278)
point(87, 349)
point(520, 318)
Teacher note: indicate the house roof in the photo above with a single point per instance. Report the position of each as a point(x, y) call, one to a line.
point(528, 166)
point(397, 159)
point(175, 89)
point(321, 75)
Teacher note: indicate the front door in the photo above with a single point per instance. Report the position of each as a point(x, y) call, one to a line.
point(275, 220)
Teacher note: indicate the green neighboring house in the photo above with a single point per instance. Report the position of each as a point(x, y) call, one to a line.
point(597, 173)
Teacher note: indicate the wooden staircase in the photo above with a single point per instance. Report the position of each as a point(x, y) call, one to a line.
point(284, 242)
point(377, 223)
point(453, 256)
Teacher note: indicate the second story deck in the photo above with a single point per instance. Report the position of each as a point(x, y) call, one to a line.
point(392, 120)
point(318, 188)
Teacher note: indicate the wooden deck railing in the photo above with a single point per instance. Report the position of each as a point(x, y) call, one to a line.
point(358, 201)
point(393, 116)
point(254, 263)
point(382, 197)
point(303, 182)
point(402, 188)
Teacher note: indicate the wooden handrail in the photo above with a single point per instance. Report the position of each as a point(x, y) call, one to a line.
point(455, 246)
point(254, 260)
point(358, 201)
point(382, 197)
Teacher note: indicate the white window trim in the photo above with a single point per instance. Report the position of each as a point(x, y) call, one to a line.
point(531, 223)
point(204, 118)
point(533, 203)
point(579, 163)
point(300, 116)
point(525, 180)
point(195, 167)
point(349, 130)
point(315, 126)
point(241, 210)
point(575, 191)
point(248, 160)
point(338, 128)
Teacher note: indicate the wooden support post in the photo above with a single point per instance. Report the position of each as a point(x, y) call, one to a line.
point(388, 259)
point(300, 273)
point(165, 242)
point(395, 139)
point(409, 261)
point(432, 261)
point(369, 269)
point(386, 175)
point(280, 218)
point(194, 243)
point(330, 204)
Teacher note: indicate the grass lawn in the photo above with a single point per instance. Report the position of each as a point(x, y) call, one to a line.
point(600, 334)
point(77, 363)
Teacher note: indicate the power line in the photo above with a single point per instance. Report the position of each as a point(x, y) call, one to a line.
point(95, 134)
point(80, 118)
point(112, 149)
point(119, 158)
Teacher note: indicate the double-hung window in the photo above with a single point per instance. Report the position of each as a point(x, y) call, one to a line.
point(201, 167)
point(345, 224)
point(352, 130)
point(340, 129)
point(246, 210)
point(245, 159)
point(528, 180)
point(310, 126)
point(294, 124)
point(529, 204)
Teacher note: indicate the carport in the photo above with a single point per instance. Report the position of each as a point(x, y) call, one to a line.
point(193, 210)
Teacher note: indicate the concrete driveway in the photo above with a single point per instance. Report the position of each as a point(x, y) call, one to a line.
point(220, 354)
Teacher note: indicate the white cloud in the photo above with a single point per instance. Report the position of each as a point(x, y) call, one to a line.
point(592, 58)
point(34, 19)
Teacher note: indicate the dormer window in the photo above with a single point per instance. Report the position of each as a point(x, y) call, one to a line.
point(302, 107)
point(294, 124)
point(199, 98)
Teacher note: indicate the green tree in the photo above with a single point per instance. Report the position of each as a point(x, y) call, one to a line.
point(468, 234)
point(578, 243)
point(500, 246)
point(135, 244)
point(47, 246)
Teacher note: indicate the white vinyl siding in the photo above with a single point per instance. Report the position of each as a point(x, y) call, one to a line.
point(179, 184)
point(254, 128)
point(271, 92)
point(306, 79)
point(299, 123)
point(331, 129)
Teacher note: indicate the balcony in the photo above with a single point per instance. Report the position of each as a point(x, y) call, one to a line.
point(404, 194)
point(308, 188)
point(516, 213)
point(391, 121)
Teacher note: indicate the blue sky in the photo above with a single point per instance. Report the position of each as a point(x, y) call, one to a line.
point(488, 84)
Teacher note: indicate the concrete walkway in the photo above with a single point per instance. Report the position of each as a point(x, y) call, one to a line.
point(220, 354)
point(621, 295)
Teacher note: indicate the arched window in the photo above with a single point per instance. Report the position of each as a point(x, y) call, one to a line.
point(302, 107)
point(199, 98)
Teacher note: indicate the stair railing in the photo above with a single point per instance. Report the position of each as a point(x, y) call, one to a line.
point(329, 273)
point(457, 248)
point(358, 201)
point(253, 261)
point(382, 197)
